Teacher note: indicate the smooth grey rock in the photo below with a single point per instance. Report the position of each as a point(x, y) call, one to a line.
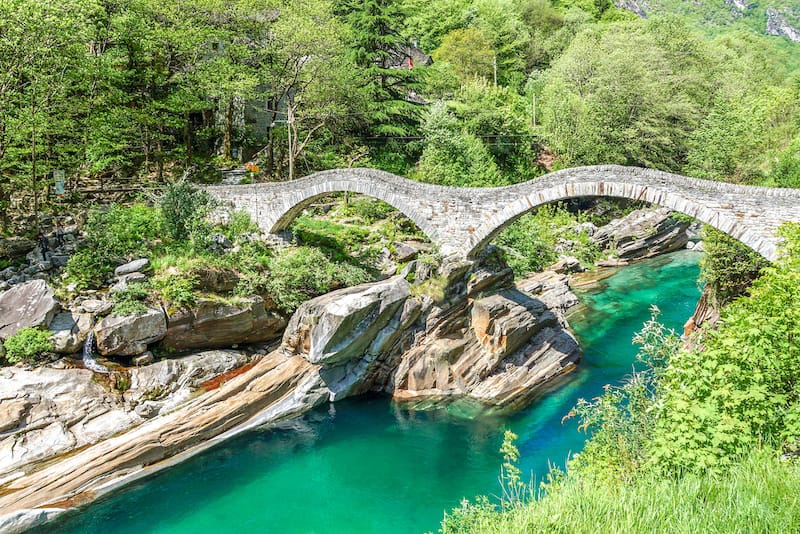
point(26, 305)
point(145, 358)
point(130, 335)
point(341, 325)
point(778, 25)
point(26, 520)
point(96, 307)
point(213, 323)
point(132, 267)
point(69, 331)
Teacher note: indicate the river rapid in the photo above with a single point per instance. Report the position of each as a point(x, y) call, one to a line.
point(365, 465)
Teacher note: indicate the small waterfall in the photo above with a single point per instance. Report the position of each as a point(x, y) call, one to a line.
point(88, 359)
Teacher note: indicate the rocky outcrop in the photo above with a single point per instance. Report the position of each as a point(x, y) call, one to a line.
point(350, 332)
point(130, 335)
point(69, 331)
point(640, 7)
point(482, 347)
point(26, 305)
point(277, 387)
point(643, 234)
point(162, 386)
point(491, 354)
point(553, 289)
point(779, 26)
point(45, 412)
point(217, 323)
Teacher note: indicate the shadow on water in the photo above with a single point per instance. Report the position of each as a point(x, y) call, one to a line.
point(366, 465)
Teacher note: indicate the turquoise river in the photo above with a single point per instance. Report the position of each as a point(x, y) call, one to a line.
point(363, 465)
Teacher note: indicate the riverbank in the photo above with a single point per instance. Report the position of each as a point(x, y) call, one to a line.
point(403, 468)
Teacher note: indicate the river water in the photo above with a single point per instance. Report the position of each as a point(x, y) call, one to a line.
point(363, 465)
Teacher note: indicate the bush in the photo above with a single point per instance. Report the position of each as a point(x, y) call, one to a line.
point(728, 267)
point(182, 207)
point(177, 290)
point(130, 301)
point(28, 345)
point(114, 236)
point(301, 274)
point(530, 242)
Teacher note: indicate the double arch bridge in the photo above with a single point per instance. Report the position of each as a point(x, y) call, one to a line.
point(462, 220)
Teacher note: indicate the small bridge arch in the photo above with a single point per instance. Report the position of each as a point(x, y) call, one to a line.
point(462, 221)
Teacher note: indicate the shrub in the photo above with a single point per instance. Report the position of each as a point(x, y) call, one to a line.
point(28, 345)
point(177, 289)
point(182, 207)
point(130, 301)
point(119, 234)
point(301, 274)
point(728, 267)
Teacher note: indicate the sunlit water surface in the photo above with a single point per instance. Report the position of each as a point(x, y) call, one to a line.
point(363, 465)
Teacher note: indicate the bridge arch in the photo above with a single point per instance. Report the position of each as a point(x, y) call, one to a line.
point(732, 209)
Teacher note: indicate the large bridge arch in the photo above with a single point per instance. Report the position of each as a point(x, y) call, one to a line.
point(274, 206)
point(736, 210)
point(462, 220)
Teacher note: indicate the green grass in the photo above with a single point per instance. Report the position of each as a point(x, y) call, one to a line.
point(761, 494)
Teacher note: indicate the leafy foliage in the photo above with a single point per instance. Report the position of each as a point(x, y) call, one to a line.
point(530, 243)
point(304, 273)
point(182, 207)
point(728, 266)
point(28, 345)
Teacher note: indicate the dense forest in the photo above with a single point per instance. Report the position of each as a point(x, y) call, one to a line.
point(461, 92)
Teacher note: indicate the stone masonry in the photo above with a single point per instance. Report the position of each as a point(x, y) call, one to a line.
point(462, 220)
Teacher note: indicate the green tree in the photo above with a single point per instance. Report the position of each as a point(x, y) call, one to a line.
point(375, 46)
point(468, 52)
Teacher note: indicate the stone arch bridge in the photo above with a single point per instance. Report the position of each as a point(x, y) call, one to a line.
point(461, 220)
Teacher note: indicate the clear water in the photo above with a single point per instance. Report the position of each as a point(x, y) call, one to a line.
point(363, 465)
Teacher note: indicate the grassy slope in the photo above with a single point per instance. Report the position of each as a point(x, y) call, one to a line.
point(762, 493)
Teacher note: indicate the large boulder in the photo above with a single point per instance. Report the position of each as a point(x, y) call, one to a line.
point(165, 384)
point(45, 412)
point(69, 331)
point(26, 305)
point(643, 234)
point(214, 323)
point(15, 247)
point(343, 325)
point(493, 355)
point(130, 335)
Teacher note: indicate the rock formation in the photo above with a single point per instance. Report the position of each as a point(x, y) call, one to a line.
point(130, 335)
point(778, 25)
point(213, 323)
point(28, 304)
point(643, 234)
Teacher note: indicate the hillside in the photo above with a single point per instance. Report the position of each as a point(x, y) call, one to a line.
point(766, 17)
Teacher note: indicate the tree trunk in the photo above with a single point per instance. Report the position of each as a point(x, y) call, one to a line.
point(227, 135)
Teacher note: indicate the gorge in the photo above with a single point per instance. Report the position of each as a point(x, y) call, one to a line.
point(365, 465)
